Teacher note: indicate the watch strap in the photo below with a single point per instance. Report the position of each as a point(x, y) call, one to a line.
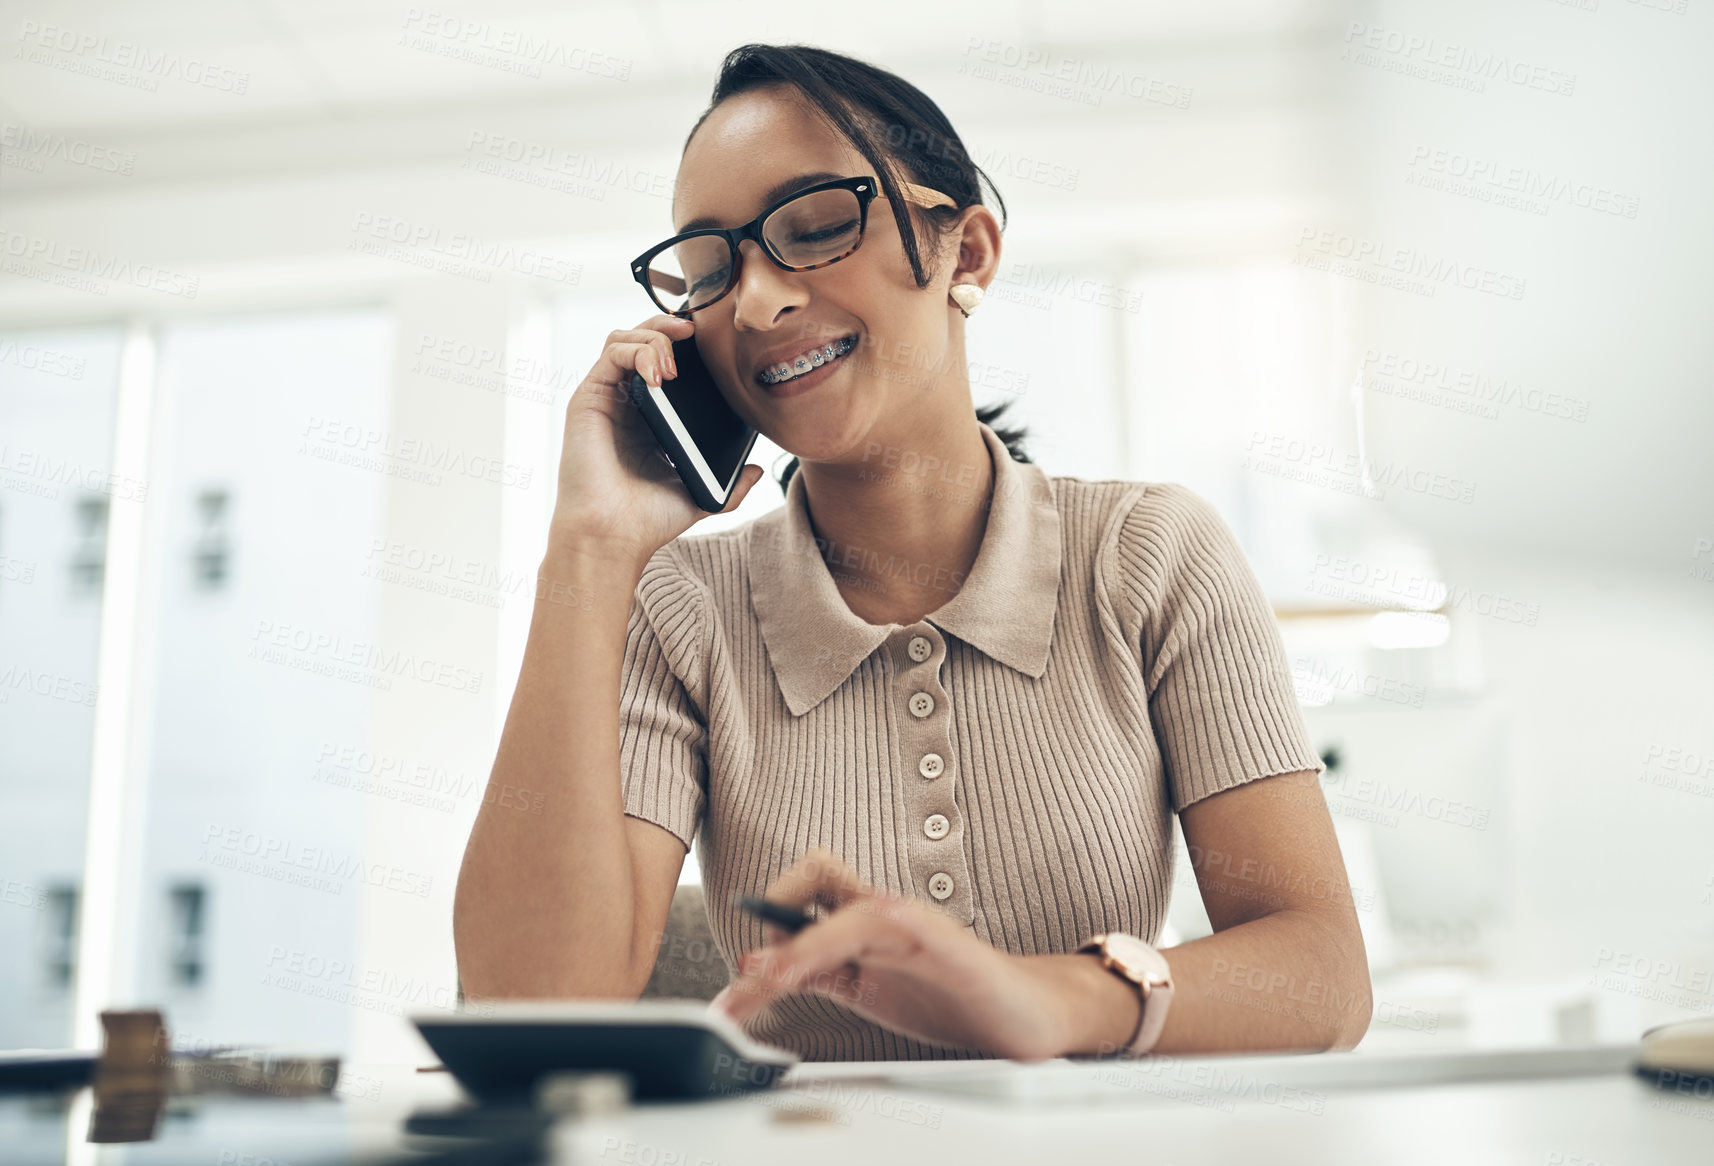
point(1153, 981)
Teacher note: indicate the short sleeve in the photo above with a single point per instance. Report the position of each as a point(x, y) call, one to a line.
point(1220, 689)
point(663, 735)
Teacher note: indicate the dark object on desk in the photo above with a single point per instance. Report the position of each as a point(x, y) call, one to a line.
point(31, 1070)
point(673, 1050)
point(1679, 1057)
point(559, 1095)
point(788, 919)
point(498, 1122)
point(209, 1129)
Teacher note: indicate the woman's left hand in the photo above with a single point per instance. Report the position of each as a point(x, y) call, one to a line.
point(900, 963)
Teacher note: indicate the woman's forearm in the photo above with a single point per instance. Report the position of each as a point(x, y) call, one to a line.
point(545, 904)
point(1284, 982)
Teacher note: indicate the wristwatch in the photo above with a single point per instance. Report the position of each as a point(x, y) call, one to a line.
point(1134, 960)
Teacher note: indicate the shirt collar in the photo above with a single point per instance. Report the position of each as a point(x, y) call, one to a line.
point(1005, 607)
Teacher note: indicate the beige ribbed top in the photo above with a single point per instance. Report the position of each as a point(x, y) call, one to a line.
point(1109, 660)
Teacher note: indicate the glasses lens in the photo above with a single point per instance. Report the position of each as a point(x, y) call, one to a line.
point(690, 273)
point(816, 228)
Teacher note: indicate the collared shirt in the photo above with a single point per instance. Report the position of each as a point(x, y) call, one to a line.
point(1012, 759)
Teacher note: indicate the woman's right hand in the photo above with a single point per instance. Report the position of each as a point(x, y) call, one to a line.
point(617, 494)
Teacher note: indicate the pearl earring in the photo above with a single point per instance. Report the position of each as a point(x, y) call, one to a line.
point(968, 297)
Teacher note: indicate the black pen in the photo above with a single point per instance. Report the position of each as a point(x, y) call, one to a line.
point(787, 919)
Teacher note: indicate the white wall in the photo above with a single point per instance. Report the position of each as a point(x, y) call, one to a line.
point(1592, 520)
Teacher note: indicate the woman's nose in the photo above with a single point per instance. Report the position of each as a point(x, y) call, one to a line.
point(762, 288)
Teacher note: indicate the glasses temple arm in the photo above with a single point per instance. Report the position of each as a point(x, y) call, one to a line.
point(923, 196)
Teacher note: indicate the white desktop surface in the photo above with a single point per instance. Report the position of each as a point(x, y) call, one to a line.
point(1576, 1107)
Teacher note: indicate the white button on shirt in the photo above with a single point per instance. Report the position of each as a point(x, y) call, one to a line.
point(921, 704)
point(936, 826)
point(940, 885)
point(920, 649)
point(931, 765)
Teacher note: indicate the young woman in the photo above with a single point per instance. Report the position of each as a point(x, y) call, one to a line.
point(946, 699)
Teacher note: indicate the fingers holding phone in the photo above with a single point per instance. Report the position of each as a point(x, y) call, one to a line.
point(614, 487)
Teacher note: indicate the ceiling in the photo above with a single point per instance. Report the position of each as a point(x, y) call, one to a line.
point(330, 90)
point(277, 59)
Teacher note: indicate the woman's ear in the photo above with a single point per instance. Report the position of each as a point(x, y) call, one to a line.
point(978, 247)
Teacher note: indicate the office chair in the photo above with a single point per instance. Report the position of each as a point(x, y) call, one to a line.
point(687, 964)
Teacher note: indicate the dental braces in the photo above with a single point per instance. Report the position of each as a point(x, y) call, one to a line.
point(814, 358)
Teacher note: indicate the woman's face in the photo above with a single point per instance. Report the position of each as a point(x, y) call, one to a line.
point(909, 360)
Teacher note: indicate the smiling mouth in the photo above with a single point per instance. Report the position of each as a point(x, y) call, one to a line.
point(779, 374)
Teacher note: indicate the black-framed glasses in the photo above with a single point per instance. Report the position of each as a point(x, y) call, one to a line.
point(813, 227)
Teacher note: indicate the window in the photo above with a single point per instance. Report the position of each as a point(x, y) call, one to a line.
point(209, 558)
point(186, 908)
point(59, 956)
point(89, 555)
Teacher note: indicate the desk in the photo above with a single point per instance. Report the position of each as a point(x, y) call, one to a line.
point(1574, 1107)
point(1540, 1107)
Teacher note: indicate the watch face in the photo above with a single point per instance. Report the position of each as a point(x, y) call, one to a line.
point(1140, 960)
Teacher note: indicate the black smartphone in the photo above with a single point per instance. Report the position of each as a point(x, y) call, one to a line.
point(707, 443)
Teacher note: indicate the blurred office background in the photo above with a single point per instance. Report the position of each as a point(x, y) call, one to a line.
point(292, 296)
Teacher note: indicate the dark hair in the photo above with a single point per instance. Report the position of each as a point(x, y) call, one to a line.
point(897, 128)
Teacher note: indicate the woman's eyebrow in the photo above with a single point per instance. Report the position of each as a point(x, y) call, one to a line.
point(769, 196)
